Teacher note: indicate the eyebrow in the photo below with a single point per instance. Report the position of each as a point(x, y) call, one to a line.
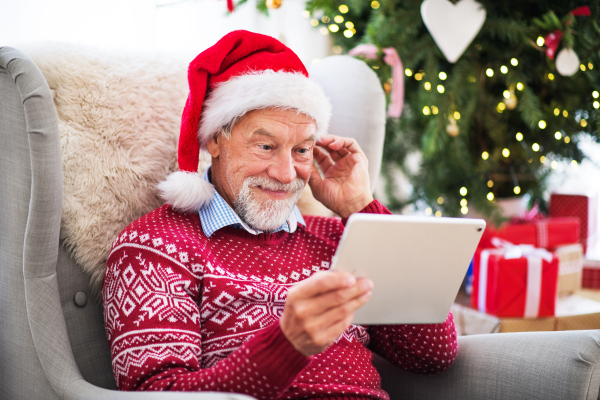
point(263, 132)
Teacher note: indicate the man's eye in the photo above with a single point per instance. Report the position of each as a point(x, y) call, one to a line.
point(265, 147)
point(302, 151)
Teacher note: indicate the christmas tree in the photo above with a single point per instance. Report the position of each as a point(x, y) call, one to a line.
point(496, 122)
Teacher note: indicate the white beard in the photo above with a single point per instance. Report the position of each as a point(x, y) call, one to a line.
point(266, 215)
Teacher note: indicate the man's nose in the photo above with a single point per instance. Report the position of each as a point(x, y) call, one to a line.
point(283, 168)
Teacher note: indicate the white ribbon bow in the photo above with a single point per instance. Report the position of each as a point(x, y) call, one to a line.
point(534, 272)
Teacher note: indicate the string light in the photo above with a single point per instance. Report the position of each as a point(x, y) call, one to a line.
point(517, 189)
point(551, 76)
point(567, 139)
point(427, 86)
point(324, 31)
point(558, 135)
point(428, 211)
point(540, 41)
point(306, 13)
point(464, 210)
point(338, 19)
point(440, 200)
point(514, 62)
point(574, 164)
point(519, 136)
point(443, 75)
point(349, 25)
point(471, 79)
point(506, 94)
point(595, 94)
point(596, 104)
point(490, 196)
point(505, 152)
point(504, 69)
point(334, 28)
point(343, 8)
point(583, 123)
point(556, 111)
point(336, 50)
point(375, 4)
point(348, 33)
point(565, 113)
point(490, 183)
point(501, 107)
point(542, 124)
point(463, 202)
point(485, 155)
point(438, 213)
point(520, 86)
point(543, 159)
point(407, 72)
point(314, 22)
point(426, 110)
point(456, 115)
point(582, 67)
point(419, 75)
point(463, 191)
point(434, 110)
point(489, 72)
point(440, 88)
point(590, 65)
point(535, 147)
point(325, 19)
point(554, 164)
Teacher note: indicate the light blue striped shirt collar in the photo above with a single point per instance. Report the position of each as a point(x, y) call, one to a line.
point(218, 214)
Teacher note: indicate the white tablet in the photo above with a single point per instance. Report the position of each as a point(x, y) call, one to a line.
point(417, 264)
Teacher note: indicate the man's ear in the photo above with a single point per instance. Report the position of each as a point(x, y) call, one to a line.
point(214, 146)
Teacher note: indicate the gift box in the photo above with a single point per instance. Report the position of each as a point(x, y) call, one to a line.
point(570, 268)
point(514, 280)
point(582, 206)
point(591, 274)
point(544, 233)
point(572, 313)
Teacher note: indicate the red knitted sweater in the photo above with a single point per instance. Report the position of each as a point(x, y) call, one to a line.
point(187, 312)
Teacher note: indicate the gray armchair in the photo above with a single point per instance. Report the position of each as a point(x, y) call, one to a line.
point(52, 341)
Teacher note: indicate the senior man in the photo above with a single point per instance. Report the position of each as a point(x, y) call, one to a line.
point(227, 287)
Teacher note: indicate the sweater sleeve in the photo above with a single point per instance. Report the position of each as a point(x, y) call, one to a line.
point(374, 207)
point(426, 349)
point(153, 324)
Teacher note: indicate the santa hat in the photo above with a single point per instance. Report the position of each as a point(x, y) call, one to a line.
point(243, 72)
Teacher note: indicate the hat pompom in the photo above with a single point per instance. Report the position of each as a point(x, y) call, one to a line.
point(186, 191)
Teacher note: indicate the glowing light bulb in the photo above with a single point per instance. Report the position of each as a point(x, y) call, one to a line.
point(583, 123)
point(540, 41)
point(464, 210)
point(567, 139)
point(595, 94)
point(428, 211)
point(306, 13)
point(338, 19)
point(427, 86)
point(349, 24)
point(551, 76)
point(375, 4)
point(343, 8)
point(519, 136)
point(582, 67)
point(542, 124)
point(556, 111)
point(506, 94)
point(505, 152)
point(463, 191)
point(440, 88)
point(489, 72)
point(535, 147)
point(314, 22)
point(348, 33)
point(574, 164)
point(463, 202)
point(334, 28)
point(554, 164)
point(438, 213)
point(596, 104)
point(490, 183)
point(324, 31)
point(504, 69)
point(434, 110)
point(558, 135)
point(336, 50)
point(490, 196)
point(517, 190)
point(426, 110)
point(443, 75)
point(520, 86)
point(440, 200)
point(407, 72)
point(514, 62)
point(456, 115)
point(543, 159)
point(565, 113)
point(485, 155)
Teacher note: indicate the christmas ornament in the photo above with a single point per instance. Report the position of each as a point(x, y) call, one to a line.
point(552, 41)
point(511, 102)
point(567, 62)
point(453, 26)
point(452, 127)
point(274, 4)
point(390, 57)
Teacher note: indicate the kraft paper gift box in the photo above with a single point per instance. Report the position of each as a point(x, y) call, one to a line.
point(545, 233)
point(572, 313)
point(515, 281)
point(570, 268)
point(583, 206)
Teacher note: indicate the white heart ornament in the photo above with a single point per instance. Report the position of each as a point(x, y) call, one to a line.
point(567, 62)
point(453, 26)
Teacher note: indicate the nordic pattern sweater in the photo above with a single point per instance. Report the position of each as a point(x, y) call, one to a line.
point(187, 312)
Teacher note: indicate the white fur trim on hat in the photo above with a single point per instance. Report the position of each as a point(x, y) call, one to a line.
point(186, 191)
point(263, 89)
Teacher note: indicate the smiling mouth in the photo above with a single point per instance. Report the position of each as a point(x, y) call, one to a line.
point(276, 193)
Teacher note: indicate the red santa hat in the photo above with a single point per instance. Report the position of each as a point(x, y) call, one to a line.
point(244, 71)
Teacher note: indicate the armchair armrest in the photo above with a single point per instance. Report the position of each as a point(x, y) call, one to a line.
point(532, 365)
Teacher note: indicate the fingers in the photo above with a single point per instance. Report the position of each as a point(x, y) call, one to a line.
point(341, 145)
point(337, 298)
point(323, 158)
point(320, 283)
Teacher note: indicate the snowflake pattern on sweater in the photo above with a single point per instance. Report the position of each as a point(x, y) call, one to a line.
point(187, 312)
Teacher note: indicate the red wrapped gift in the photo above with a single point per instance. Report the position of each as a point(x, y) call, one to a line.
point(515, 281)
point(591, 274)
point(585, 207)
point(545, 233)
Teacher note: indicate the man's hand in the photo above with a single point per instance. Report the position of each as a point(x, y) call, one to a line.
point(345, 188)
point(319, 309)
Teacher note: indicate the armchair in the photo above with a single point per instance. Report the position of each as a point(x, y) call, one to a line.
point(52, 341)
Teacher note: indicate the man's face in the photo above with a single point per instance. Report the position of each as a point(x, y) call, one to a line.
point(261, 170)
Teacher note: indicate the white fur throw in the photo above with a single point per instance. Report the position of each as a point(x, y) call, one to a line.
point(119, 119)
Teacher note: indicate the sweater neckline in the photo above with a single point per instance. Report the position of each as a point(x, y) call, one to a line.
point(267, 239)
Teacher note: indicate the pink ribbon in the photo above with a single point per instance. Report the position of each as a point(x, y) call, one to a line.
point(392, 59)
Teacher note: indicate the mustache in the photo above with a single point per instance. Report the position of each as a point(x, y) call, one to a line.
point(266, 183)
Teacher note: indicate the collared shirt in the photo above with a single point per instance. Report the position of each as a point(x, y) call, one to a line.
point(218, 214)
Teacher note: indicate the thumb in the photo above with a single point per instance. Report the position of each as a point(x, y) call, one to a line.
point(315, 177)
